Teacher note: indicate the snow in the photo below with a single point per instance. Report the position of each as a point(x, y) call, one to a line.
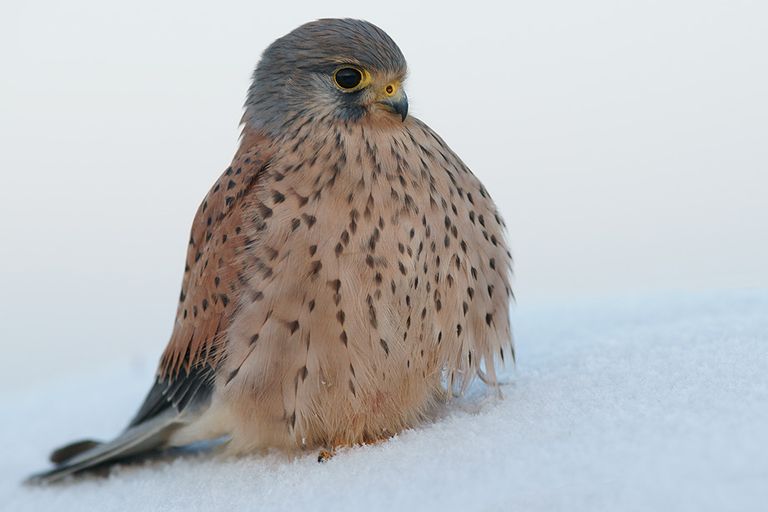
point(646, 403)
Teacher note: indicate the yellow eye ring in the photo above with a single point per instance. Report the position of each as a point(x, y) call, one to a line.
point(351, 78)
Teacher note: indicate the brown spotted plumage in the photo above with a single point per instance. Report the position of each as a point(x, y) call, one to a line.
point(343, 276)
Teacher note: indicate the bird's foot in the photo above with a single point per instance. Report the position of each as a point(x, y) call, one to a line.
point(326, 455)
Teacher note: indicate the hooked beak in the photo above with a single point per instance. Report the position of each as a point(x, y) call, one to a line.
point(396, 102)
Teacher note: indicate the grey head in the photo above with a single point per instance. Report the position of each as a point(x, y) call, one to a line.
point(330, 68)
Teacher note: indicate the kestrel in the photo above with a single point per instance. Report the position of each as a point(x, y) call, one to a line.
point(345, 274)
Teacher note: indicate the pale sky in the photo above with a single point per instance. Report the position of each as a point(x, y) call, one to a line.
point(626, 143)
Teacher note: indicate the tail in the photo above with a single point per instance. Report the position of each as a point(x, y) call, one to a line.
point(170, 404)
point(146, 437)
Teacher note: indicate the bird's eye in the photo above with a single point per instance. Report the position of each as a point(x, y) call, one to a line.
point(348, 78)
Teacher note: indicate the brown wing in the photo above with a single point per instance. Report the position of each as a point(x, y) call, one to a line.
point(210, 290)
point(211, 287)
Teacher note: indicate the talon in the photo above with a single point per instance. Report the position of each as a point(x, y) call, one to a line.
point(324, 456)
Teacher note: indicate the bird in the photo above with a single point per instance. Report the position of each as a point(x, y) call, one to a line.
point(345, 276)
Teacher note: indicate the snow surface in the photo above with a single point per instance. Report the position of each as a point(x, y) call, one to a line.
point(655, 403)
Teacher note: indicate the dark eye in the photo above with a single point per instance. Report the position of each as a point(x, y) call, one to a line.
point(348, 78)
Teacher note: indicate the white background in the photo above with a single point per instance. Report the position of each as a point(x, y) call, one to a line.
point(624, 142)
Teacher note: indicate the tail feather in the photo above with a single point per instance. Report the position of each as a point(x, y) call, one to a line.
point(170, 404)
point(143, 438)
point(63, 454)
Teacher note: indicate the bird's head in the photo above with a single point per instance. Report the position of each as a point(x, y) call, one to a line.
point(335, 68)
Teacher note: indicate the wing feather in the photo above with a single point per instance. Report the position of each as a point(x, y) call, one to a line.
point(211, 287)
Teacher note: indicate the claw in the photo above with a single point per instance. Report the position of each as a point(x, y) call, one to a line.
point(325, 455)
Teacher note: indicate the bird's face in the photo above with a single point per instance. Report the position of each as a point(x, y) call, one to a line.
point(335, 69)
point(362, 91)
